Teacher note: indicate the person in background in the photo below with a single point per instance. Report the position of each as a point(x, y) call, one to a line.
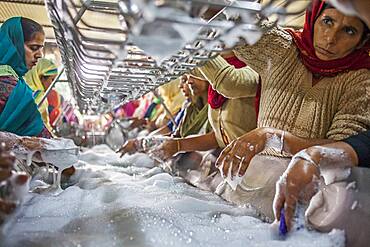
point(39, 78)
point(226, 106)
point(190, 120)
point(172, 98)
point(148, 104)
point(192, 116)
point(151, 112)
point(127, 110)
point(21, 45)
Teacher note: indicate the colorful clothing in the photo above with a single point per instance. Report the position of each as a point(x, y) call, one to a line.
point(129, 108)
point(194, 120)
point(44, 67)
point(20, 114)
point(190, 120)
point(54, 106)
point(145, 101)
point(7, 84)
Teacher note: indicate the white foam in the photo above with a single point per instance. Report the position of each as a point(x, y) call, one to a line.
point(110, 205)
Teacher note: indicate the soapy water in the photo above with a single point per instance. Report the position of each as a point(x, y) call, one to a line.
point(61, 153)
point(129, 202)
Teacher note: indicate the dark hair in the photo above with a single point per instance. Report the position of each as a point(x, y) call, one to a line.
point(30, 28)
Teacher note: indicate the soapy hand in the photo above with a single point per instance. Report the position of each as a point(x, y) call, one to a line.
point(28, 143)
point(137, 122)
point(130, 147)
point(237, 155)
point(165, 150)
point(11, 183)
point(298, 183)
point(32, 143)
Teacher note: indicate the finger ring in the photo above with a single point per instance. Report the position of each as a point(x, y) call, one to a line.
point(238, 157)
point(241, 161)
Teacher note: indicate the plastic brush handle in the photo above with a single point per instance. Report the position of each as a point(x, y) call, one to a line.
point(283, 230)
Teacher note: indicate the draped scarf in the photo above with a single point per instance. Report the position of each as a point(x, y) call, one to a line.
point(303, 39)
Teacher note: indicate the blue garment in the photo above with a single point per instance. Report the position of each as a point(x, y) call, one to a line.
point(179, 116)
point(150, 109)
point(361, 144)
point(20, 114)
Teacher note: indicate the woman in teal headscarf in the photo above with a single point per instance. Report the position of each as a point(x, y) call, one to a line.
point(21, 44)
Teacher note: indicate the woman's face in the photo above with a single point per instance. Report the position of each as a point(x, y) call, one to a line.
point(197, 85)
point(184, 87)
point(47, 80)
point(33, 49)
point(336, 35)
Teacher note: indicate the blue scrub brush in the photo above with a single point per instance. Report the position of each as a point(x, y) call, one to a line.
point(278, 229)
point(283, 230)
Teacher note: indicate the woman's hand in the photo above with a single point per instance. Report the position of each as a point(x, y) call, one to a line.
point(299, 182)
point(6, 207)
point(8, 179)
point(137, 122)
point(166, 150)
point(239, 153)
point(32, 143)
point(130, 147)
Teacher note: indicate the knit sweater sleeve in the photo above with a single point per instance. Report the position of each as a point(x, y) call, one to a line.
point(228, 81)
point(269, 52)
point(261, 57)
point(352, 115)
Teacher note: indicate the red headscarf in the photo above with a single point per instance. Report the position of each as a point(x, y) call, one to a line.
point(216, 100)
point(358, 59)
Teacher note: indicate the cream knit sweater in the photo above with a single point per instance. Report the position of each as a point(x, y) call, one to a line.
point(335, 108)
point(237, 115)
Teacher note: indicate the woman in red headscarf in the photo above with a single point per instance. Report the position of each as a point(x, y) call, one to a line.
point(315, 86)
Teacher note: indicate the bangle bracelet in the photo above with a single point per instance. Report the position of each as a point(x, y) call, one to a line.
point(178, 145)
point(305, 156)
point(282, 142)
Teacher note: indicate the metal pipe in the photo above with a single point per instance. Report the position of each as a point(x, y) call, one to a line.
point(50, 88)
point(172, 119)
point(82, 11)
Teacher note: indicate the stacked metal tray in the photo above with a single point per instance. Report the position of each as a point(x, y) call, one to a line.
point(117, 50)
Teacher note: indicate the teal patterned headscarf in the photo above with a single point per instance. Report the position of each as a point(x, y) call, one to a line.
point(12, 45)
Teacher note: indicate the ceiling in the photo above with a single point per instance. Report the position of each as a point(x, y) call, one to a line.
point(35, 9)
